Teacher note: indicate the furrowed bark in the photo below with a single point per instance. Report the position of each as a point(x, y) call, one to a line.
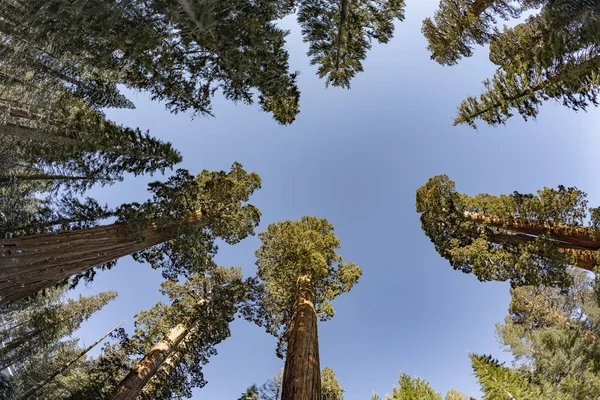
point(302, 372)
point(31, 263)
point(133, 384)
point(582, 236)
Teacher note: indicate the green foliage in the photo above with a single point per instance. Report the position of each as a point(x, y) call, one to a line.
point(410, 388)
point(507, 237)
point(208, 303)
point(454, 394)
point(501, 383)
point(552, 55)
point(37, 341)
point(250, 394)
point(554, 336)
point(459, 24)
point(340, 32)
point(291, 249)
point(330, 387)
point(181, 53)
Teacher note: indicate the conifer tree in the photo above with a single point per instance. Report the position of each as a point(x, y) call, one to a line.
point(528, 239)
point(175, 341)
point(340, 32)
point(302, 273)
point(553, 335)
point(414, 388)
point(39, 328)
point(250, 394)
point(501, 383)
point(184, 213)
point(180, 52)
point(55, 138)
point(552, 55)
point(330, 387)
point(459, 24)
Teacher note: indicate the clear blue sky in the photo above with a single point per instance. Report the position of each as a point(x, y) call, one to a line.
point(356, 158)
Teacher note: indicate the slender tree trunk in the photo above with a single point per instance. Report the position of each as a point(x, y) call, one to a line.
point(168, 367)
point(31, 263)
point(133, 384)
point(36, 388)
point(302, 372)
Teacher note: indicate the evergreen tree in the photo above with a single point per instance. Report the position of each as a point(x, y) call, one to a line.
point(53, 137)
point(250, 394)
point(525, 238)
point(302, 272)
point(459, 24)
point(186, 214)
point(552, 55)
point(37, 329)
point(180, 52)
point(414, 388)
point(340, 32)
point(501, 383)
point(454, 394)
point(554, 336)
point(330, 387)
point(175, 341)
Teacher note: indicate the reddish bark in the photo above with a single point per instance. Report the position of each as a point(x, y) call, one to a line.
point(133, 384)
point(302, 372)
point(31, 263)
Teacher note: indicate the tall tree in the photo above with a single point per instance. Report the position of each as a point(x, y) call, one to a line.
point(180, 52)
point(271, 389)
point(554, 337)
point(340, 32)
point(414, 388)
point(459, 24)
point(552, 55)
point(501, 383)
point(250, 394)
point(525, 238)
point(184, 211)
point(178, 339)
point(302, 273)
point(38, 329)
point(330, 387)
point(54, 141)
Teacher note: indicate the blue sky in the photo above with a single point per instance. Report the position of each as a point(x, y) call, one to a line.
point(356, 158)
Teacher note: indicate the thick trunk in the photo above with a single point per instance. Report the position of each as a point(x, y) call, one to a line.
point(302, 372)
point(31, 263)
point(133, 384)
point(584, 258)
point(583, 237)
point(168, 367)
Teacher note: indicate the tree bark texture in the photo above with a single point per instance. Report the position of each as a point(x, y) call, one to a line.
point(578, 241)
point(31, 263)
point(166, 350)
point(302, 372)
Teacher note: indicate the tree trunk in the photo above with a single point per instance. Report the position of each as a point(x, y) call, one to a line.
point(39, 386)
point(302, 372)
point(581, 236)
point(133, 384)
point(31, 263)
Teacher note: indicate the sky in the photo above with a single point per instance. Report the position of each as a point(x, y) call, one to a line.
point(356, 157)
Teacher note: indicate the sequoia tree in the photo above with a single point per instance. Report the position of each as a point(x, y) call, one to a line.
point(179, 338)
point(340, 32)
point(302, 272)
point(185, 210)
point(524, 238)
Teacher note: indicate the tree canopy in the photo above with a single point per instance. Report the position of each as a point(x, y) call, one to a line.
point(521, 238)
